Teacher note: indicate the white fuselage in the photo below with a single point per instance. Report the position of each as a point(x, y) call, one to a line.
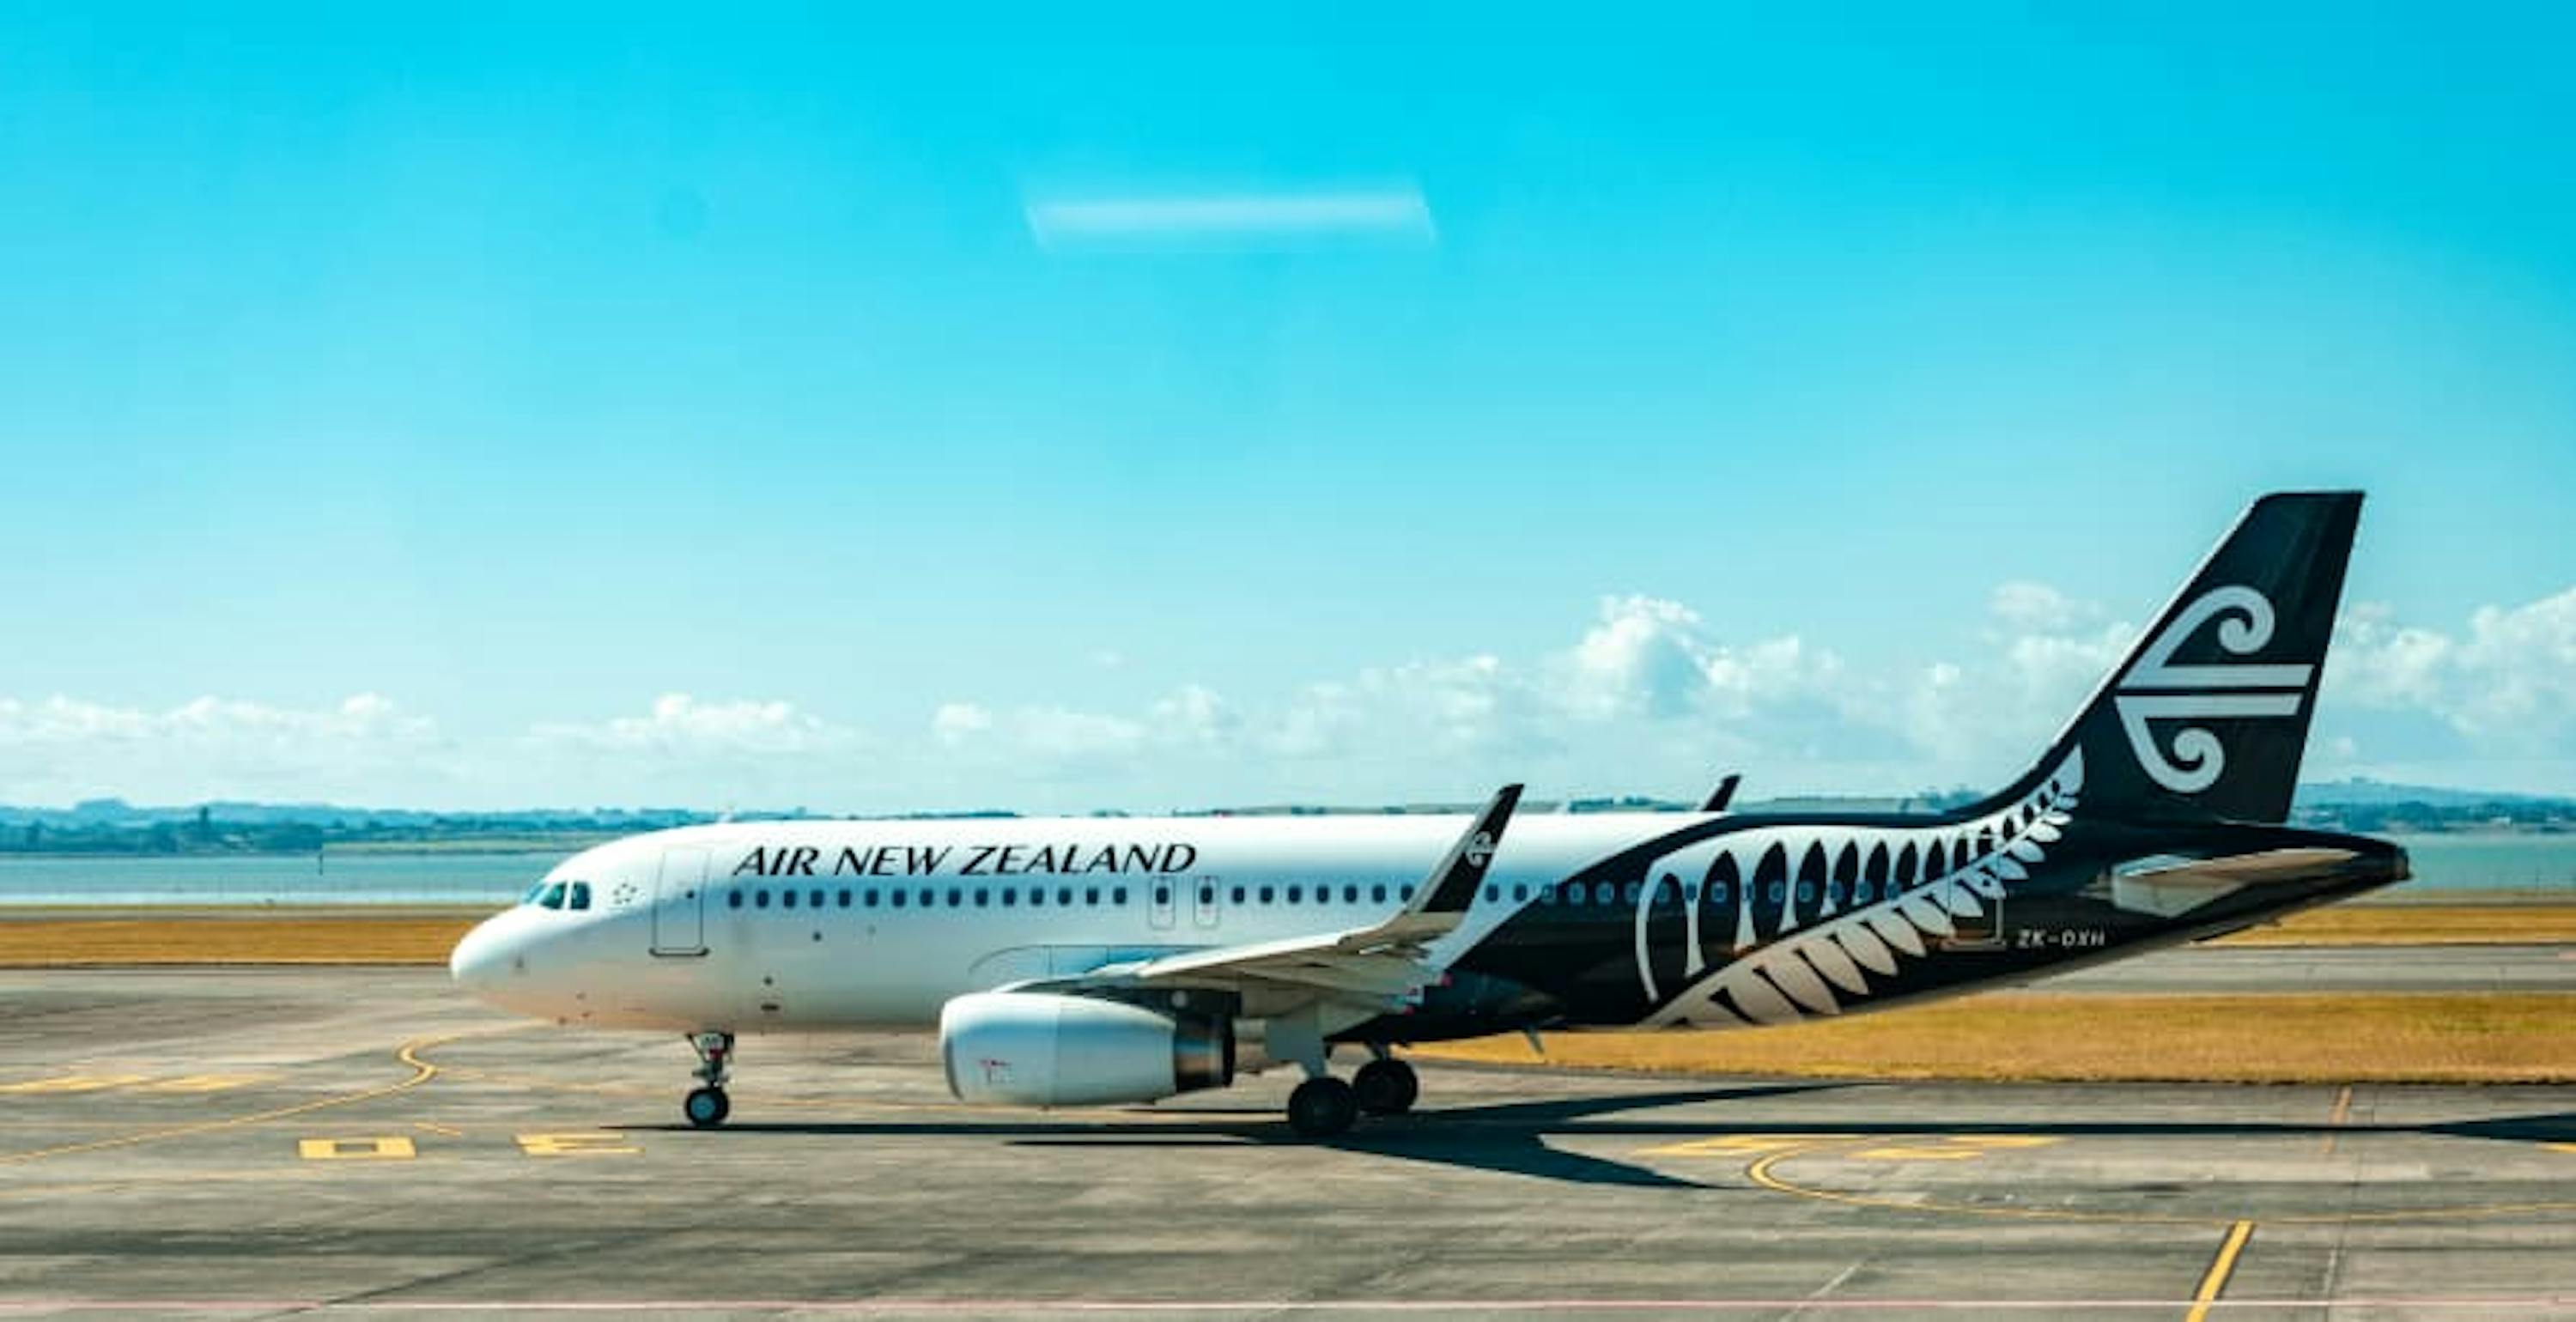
point(786, 926)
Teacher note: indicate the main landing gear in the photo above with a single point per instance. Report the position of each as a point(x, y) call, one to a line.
point(706, 1105)
point(1324, 1106)
point(1386, 1086)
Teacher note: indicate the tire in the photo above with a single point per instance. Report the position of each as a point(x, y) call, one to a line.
point(706, 1107)
point(1386, 1086)
point(1322, 1108)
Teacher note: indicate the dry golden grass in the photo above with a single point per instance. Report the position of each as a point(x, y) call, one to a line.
point(227, 939)
point(2417, 924)
point(2520, 1037)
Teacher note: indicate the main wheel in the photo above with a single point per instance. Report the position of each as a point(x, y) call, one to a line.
point(1386, 1086)
point(1322, 1107)
point(706, 1107)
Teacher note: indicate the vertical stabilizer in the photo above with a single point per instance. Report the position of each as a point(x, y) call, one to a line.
point(2208, 717)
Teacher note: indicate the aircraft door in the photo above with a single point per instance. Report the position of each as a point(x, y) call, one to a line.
point(679, 903)
point(1204, 899)
point(1159, 896)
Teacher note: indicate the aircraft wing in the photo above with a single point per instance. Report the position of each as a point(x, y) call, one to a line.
point(1380, 962)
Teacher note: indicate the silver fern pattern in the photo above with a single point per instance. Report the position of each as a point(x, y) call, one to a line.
point(1858, 932)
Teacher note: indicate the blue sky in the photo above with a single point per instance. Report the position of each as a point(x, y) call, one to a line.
point(452, 407)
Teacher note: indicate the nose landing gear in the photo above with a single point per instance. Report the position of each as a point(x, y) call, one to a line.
point(706, 1106)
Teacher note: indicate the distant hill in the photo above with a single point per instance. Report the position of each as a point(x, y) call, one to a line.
point(2359, 792)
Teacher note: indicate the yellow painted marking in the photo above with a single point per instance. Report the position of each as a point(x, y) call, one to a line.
point(430, 1127)
point(2216, 1279)
point(1739, 1144)
point(73, 1083)
point(422, 1072)
point(595, 1143)
point(2560, 1147)
point(379, 1147)
point(1955, 1147)
point(195, 1083)
point(2335, 1119)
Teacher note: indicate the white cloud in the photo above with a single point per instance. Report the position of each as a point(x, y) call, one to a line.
point(1396, 212)
point(956, 722)
point(1646, 696)
point(2507, 686)
point(62, 748)
point(680, 726)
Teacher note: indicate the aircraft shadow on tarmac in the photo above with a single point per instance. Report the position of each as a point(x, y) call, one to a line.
point(1510, 1137)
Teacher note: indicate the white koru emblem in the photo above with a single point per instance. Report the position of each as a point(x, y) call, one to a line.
point(2155, 689)
point(1480, 849)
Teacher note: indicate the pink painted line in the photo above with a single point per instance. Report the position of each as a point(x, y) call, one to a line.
point(2468, 1303)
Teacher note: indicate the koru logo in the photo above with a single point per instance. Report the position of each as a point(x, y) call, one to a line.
point(2155, 689)
point(1480, 849)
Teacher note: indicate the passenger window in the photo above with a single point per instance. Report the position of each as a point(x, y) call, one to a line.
point(1519, 893)
point(1296, 894)
point(1806, 892)
point(1717, 892)
point(1091, 895)
point(1064, 895)
point(844, 897)
point(1267, 894)
point(1779, 891)
point(1118, 896)
point(1235, 896)
point(1010, 897)
point(896, 897)
point(1207, 895)
point(760, 898)
point(1037, 897)
point(787, 899)
point(1635, 889)
point(1162, 895)
point(815, 899)
point(955, 897)
point(1606, 893)
point(733, 899)
point(580, 895)
point(1377, 894)
point(982, 896)
point(870, 899)
point(1350, 894)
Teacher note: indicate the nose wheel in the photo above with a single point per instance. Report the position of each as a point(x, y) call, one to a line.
point(706, 1106)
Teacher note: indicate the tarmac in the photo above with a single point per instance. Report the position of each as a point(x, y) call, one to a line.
point(268, 1142)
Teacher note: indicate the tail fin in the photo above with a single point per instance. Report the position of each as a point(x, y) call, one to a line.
point(2209, 716)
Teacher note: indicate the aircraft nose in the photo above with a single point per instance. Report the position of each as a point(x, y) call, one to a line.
point(481, 958)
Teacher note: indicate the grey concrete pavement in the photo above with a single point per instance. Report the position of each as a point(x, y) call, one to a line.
point(231, 1142)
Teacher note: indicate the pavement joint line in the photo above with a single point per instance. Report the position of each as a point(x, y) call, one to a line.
point(422, 1072)
point(2473, 1305)
point(1762, 1172)
point(2220, 1268)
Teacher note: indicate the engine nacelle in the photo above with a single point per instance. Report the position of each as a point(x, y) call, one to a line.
point(1042, 1049)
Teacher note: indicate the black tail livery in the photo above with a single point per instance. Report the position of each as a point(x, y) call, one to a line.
point(2207, 718)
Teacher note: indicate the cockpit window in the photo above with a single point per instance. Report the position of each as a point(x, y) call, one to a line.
point(553, 898)
point(534, 892)
point(580, 896)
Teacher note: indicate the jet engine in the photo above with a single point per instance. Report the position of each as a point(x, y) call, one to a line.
point(1043, 1049)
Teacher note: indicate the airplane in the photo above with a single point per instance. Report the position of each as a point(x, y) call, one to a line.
point(1114, 961)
